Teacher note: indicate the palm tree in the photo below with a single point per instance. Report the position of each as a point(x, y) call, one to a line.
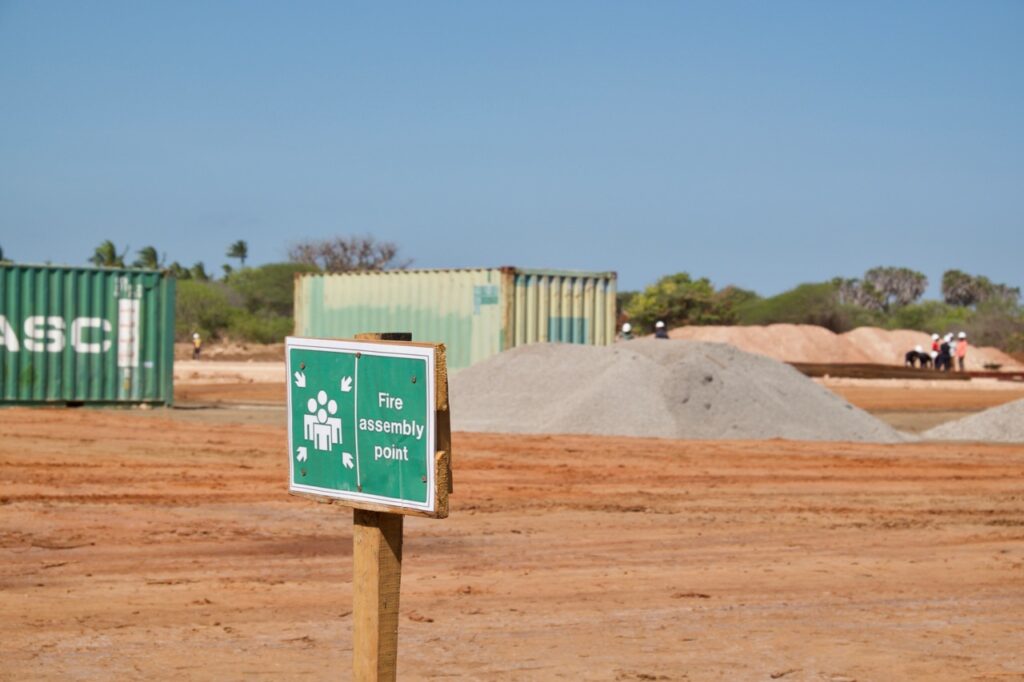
point(198, 271)
point(149, 259)
point(239, 250)
point(179, 271)
point(106, 256)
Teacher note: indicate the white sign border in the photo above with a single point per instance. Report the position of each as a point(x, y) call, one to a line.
point(380, 349)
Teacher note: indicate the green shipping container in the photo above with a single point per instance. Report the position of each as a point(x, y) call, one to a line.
point(475, 313)
point(85, 335)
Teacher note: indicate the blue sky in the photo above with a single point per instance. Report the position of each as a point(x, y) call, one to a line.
point(759, 144)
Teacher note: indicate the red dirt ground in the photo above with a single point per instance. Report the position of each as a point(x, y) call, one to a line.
point(869, 398)
point(162, 545)
point(877, 399)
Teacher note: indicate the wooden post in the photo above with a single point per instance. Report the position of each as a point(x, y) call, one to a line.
point(377, 581)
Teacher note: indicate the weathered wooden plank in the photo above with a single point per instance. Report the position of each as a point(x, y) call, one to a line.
point(377, 576)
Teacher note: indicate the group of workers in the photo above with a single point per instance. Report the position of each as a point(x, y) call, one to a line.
point(944, 350)
point(660, 331)
point(941, 356)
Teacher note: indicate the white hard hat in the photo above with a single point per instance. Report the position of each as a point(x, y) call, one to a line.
point(196, 335)
point(935, 337)
point(962, 335)
point(918, 349)
point(949, 336)
point(659, 324)
point(627, 327)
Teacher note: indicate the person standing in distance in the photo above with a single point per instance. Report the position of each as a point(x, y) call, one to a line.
point(627, 332)
point(197, 345)
point(945, 360)
point(961, 350)
point(660, 331)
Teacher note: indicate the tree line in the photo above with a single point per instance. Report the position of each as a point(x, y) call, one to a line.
point(249, 303)
point(256, 303)
point(888, 297)
point(107, 255)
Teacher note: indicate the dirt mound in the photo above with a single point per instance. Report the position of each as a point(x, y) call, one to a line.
point(809, 343)
point(887, 346)
point(1003, 424)
point(673, 389)
point(786, 342)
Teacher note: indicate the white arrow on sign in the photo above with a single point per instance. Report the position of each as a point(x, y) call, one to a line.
point(346, 459)
point(346, 384)
point(301, 455)
point(300, 379)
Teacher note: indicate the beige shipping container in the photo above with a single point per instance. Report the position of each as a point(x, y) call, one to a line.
point(476, 313)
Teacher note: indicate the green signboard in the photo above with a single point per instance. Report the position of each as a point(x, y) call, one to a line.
point(361, 422)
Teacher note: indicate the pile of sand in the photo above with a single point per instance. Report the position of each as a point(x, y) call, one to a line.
point(810, 343)
point(664, 389)
point(1003, 424)
point(786, 342)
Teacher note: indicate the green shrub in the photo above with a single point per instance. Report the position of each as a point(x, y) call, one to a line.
point(997, 323)
point(259, 327)
point(929, 316)
point(269, 288)
point(678, 300)
point(622, 299)
point(732, 297)
point(201, 307)
point(805, 304)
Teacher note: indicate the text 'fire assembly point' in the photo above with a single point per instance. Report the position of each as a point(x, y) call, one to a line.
point(361, 422)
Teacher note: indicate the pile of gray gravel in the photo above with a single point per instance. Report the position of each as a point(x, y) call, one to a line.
point(656, 388)
point(1003, 424)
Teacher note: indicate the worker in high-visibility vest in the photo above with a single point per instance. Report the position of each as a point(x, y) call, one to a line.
point(961, 350)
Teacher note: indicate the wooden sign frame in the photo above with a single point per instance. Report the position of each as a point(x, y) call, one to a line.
point(442, 435)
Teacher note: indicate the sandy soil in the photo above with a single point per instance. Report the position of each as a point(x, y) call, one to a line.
point(933, 385)
point(913, 406)
point(231, 352)
point(230, 392)
point(882, 398)
point(809, 343)
point(231, 371)
point(916, 406)
point(160, 544)
point(786, 342)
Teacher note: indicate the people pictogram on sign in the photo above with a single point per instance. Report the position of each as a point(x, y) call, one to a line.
point(320, 425)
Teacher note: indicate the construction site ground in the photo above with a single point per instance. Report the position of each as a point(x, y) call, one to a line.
point(162, 544)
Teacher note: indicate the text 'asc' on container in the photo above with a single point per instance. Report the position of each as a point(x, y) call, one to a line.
point(85, 335)
point(476, 313)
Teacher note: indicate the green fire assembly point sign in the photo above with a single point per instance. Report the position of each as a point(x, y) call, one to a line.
point(361, 421)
